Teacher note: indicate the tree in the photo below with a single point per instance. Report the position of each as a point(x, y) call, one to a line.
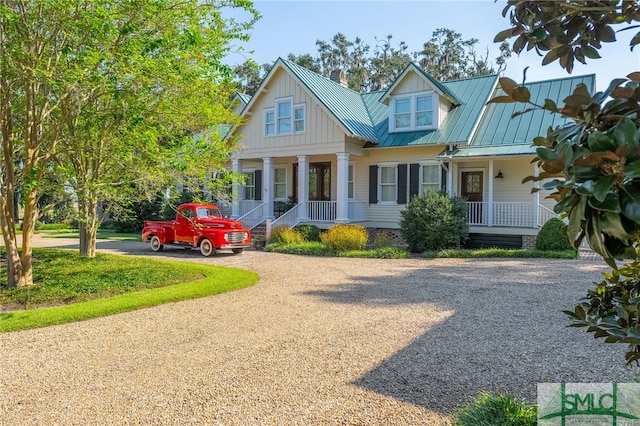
point(388, 62)
point(447, 56)
point(593, 163)
point(95, 86)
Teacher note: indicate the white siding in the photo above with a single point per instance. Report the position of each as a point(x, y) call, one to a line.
point(322, 133)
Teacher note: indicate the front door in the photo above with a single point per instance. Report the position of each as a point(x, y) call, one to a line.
point(319, 181)
point(471, 189)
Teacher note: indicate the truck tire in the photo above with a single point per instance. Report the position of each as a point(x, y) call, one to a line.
point(237, 250)
point(207, 248)
point(156, 245)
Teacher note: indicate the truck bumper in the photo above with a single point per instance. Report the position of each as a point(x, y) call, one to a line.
point(232, 246)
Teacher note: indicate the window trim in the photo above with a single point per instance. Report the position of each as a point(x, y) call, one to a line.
point(352, 182)
point(421, 174)
point(251, 171)
point(413, 106)
point(278, 167)
point(292, 118)
point(380, 185)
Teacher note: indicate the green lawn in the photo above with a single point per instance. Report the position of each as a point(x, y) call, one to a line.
point(80, 288)
point(103, 234)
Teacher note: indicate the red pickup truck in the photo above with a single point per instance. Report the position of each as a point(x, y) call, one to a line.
point(198, 225)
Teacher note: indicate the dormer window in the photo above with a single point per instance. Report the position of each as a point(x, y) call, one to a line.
point(285, 118)
point(416, 111)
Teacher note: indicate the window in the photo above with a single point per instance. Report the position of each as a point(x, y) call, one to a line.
point(402, 116)
point(250, 186)
point(430, 179)
point(280, 183)
point(269, 122)
point(350, 182)
point(418, 111)
point(388, 183)
point(298, 119)
point(285, 118)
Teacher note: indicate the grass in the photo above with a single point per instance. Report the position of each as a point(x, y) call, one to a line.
point(103, 234)
point(500, 253)
point(319, 249)
point(498, 410)
point(110, 284)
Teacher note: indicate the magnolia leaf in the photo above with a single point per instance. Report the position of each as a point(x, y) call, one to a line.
point(551, 56)
point(625, 132)
point(612, 225)
point(632, 170)
point(609, 204)
point(521, 94)
point(576, 219)
point(507, 84)
point(503, 35)
point(501, 100)
point(553, 166)
point(630, 203)
point(585, 188)
point(603, 187)
point(590, 52)
point(634, 76)
point(549, 105)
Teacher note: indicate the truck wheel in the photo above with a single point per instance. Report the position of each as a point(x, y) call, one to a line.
point(237, 250)
point(207, 248)
point(156, 245)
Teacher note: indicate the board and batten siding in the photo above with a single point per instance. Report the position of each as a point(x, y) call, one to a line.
point(322, 134)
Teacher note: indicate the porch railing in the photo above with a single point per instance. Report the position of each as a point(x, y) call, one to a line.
point(288, 218)
point(246, 206)
point(253, 217)
point(322, 211)
point(508, 214)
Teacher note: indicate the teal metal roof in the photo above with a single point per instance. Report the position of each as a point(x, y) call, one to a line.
point(497, 128)
point(345, 104)
point(489, 151)
point(244, 97)
point(458, 124)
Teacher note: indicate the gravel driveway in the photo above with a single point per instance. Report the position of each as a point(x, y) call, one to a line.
point(316, 341)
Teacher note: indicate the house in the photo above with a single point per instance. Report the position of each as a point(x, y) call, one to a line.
point(315, 151)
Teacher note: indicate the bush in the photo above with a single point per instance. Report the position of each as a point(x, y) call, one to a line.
point(310, 233)
point(377, 253)
point(499, 253)
point(551, 236)
point(344, 237)
point(285, 235)
point(313, 248)
point(382, 240)
point(434, 221)
point(500, 410)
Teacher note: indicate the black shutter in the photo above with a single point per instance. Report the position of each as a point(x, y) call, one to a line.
point(443, 179)
point(414, 177)
point(257, 181)
point(402, 184)
point(373, 184)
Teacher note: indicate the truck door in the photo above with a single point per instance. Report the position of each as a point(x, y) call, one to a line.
point(185, 225)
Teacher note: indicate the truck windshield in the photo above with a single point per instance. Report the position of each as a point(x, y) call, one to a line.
point(208, 212)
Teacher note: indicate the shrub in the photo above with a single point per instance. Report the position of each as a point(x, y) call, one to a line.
point(551, 236)
point(344, 237)
point(434, 221)
point(499, 410)
point(313, 248)
point(382, 240)
point(310, 233)
point(285, 235)
point(377, 253)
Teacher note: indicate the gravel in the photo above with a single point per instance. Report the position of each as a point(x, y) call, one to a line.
point(317, 341)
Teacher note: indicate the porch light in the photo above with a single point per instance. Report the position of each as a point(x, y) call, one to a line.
point(499, 175)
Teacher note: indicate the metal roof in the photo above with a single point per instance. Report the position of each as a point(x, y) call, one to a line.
point(440, 87)
point(345, 104)
point(489, 151)
point(497, 128)
point(244, 97)
point(458, 124)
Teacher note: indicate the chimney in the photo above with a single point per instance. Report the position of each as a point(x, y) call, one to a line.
point(339, 77)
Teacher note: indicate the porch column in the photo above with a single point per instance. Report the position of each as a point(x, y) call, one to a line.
point(451, 184)
point(237, 191)
point(490, 195)
point(303, 186)
point(267, 187)
point(536, 198)
point(342, 190)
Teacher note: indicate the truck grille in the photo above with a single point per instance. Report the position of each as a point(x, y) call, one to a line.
point(235, 237)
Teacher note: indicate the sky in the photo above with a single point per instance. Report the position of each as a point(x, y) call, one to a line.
point(294, 26)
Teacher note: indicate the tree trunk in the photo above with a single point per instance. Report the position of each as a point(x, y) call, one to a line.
point(88, 226)
point(28, 228)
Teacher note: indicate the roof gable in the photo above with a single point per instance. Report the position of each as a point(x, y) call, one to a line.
point(439, 88)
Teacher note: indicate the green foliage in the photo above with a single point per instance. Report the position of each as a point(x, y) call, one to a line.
point(99, 282)
point(551, 237)
point(345, 237)
point(309, 232)
point(499, 410)
point(500, 253)
point(612, 309)
point(434, 221)
point(382, 240)
point(377, 253)
point(567, 33)
point(304, 249)
point(285, 235)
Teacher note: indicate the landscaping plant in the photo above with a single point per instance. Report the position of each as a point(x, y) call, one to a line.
point(551, 237)
point(434, 221)
point(499, 410)
point(344, 237)
point(285, 235)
